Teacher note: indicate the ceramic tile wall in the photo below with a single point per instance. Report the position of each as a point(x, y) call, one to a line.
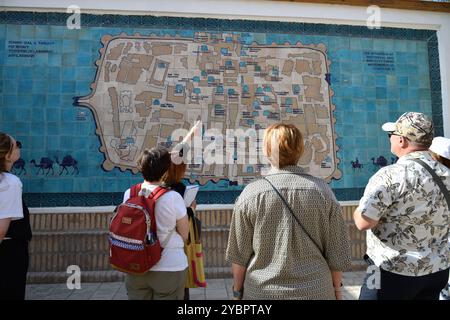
point(37, 95)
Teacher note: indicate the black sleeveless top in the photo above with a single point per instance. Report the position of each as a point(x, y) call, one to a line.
point(20, 229)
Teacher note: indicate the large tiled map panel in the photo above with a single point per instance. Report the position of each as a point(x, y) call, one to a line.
point(375, 76)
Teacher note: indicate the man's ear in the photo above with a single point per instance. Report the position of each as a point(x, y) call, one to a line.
point(404, 143)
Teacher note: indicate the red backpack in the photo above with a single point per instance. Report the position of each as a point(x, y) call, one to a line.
point(133, 243)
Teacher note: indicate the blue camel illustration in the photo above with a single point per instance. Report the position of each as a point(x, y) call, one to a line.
point(19, 167)
point(67, 161)
point(46, 163)
point(379, 162)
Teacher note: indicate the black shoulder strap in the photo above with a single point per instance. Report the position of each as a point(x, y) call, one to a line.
point(292, 212)
point(436, 179)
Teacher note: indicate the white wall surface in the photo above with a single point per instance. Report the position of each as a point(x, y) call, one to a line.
point(274, 11)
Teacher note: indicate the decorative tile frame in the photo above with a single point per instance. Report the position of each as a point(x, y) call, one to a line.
point(136, 21)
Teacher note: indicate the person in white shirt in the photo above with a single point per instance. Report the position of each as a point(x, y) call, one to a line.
point(15, 231)
point(440, 151)
point(166, 279)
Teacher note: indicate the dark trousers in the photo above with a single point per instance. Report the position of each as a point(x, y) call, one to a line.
point(13, 269)
point(398, 287)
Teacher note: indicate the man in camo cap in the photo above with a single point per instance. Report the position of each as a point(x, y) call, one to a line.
point(406, 218)
point(414, 126)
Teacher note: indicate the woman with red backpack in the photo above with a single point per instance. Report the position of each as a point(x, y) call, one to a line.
point(166, 279)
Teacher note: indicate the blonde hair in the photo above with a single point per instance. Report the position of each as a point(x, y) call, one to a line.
point(283, 144)
point(441, 159)
point(174, 174)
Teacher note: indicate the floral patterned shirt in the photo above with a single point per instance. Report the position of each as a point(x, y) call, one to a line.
point(412, 235)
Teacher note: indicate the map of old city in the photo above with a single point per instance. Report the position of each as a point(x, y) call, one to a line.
point(147, 87)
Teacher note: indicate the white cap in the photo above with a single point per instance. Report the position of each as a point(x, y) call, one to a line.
point(441, 146)
point(389, 127)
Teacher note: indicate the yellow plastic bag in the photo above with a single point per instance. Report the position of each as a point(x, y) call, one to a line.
point(194, 252)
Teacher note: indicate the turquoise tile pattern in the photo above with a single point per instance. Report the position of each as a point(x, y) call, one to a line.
point(376, 75)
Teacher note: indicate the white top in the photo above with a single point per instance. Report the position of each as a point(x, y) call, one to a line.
point(441, 146)
point(10, 197)
point(168, 209)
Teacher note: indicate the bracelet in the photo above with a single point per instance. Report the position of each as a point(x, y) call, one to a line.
point(237, 295)
point(338, 289)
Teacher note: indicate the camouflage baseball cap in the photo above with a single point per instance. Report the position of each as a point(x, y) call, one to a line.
point(415, 126)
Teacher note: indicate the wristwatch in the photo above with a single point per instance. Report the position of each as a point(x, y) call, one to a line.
point(338, 289)
point(237, 295)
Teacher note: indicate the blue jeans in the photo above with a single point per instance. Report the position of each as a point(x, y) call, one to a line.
point(366, 293)
point(445, 293)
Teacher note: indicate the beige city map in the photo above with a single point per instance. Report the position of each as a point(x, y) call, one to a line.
point(147, 87)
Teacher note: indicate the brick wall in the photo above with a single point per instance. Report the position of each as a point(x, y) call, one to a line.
point(63, 239)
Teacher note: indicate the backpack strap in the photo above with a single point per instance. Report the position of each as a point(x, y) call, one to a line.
point(134, 190)
point(157, 193)
point(154, 196)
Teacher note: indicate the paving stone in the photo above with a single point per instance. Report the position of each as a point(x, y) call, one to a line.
point(216, 294)
point(197, 296)
point(121, 293)
point(106, 291)
point(197, 291)
point(217, 297)
point(215, 284)
point(351, 292)
point(85, 293)
point(120, 297)
point(217, 289)
point(49, 292)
